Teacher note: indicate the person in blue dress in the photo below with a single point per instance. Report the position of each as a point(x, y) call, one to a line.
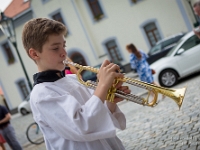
point(138, 62)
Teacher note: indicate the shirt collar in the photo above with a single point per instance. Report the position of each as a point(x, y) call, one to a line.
point(48, 76)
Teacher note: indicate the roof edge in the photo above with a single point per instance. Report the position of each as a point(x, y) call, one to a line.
point(22, 13)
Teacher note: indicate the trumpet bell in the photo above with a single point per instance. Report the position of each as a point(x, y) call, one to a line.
point(178, 96)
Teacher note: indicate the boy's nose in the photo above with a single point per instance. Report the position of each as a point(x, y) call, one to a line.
point(64, 53)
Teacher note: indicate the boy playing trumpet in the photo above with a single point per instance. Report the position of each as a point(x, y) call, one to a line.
point(70, 115)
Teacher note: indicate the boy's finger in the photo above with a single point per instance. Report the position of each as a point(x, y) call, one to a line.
point(115, 67)
point(119, 85)
point(105, 63)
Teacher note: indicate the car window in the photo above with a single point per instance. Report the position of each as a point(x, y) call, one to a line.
point(191, 42)
point(87, 74)
point(174, 48)
point(155, 49)
point(177, 38)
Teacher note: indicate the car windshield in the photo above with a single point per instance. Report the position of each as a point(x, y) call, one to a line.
point(172, 50)
point(155, 49)
point(165, 43)
point(88, 75)
point(168, 42)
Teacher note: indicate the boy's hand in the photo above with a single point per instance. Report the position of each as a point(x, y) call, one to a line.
point(112, 105)
point(124, 89)
point(107, 73)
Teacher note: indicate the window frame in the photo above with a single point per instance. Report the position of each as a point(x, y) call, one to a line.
point(63, 18)
point(44, 1)
point(93, 11)
point(88, 9)
point(6, 57)
point(132, 3)
point(153, 32)
point(21, 91)
point(119, 55)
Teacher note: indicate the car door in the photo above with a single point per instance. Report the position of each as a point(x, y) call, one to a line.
point(188, 60)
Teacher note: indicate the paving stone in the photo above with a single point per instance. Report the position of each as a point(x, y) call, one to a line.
point(178, 144)
point(184, 147)
point(170, 147)
point(193, 147)
point(193, 131)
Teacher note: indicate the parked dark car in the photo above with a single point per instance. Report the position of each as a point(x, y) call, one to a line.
point(162, 47)
point(88, 75)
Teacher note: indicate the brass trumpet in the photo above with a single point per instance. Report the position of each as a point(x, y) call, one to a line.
point(176, 94)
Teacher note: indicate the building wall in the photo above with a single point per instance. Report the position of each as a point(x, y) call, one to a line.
point(77, 39)
point(11, 74)
point(123, 22)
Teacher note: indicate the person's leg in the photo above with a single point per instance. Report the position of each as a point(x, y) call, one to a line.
point(9, 135)
point(2, 141)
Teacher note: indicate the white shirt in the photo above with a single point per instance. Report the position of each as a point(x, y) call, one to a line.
point(71, 118)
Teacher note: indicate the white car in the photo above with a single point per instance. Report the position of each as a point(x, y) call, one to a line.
point(181, 61)
point(24, 108)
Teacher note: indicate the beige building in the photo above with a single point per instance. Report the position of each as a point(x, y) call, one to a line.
point(97, 30)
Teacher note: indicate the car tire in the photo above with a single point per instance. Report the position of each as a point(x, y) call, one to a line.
point(23, 111)
point(168, 78)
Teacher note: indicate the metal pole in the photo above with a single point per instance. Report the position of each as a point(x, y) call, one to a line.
point(22, 64)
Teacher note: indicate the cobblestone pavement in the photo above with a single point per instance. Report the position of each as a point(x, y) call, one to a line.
point(161, 127)
point(165, 126)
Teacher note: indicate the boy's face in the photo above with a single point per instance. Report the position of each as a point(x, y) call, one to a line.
point(53, 53)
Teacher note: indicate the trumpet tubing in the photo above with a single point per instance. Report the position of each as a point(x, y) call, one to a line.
point(176, 94)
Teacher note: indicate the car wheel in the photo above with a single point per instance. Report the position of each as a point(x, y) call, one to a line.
point(23, 111)
point(168, 78)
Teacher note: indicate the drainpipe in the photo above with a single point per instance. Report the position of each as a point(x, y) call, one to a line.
point(85, 31)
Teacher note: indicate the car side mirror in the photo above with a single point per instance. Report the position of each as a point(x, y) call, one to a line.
point(180, 51)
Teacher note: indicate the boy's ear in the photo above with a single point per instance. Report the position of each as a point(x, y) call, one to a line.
point(33, 54)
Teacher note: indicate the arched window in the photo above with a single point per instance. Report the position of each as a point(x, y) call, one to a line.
point(8, 53)
point(78, 58)
point(152, 33)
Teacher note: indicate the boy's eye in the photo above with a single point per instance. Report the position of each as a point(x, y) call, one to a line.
point(56, 48)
